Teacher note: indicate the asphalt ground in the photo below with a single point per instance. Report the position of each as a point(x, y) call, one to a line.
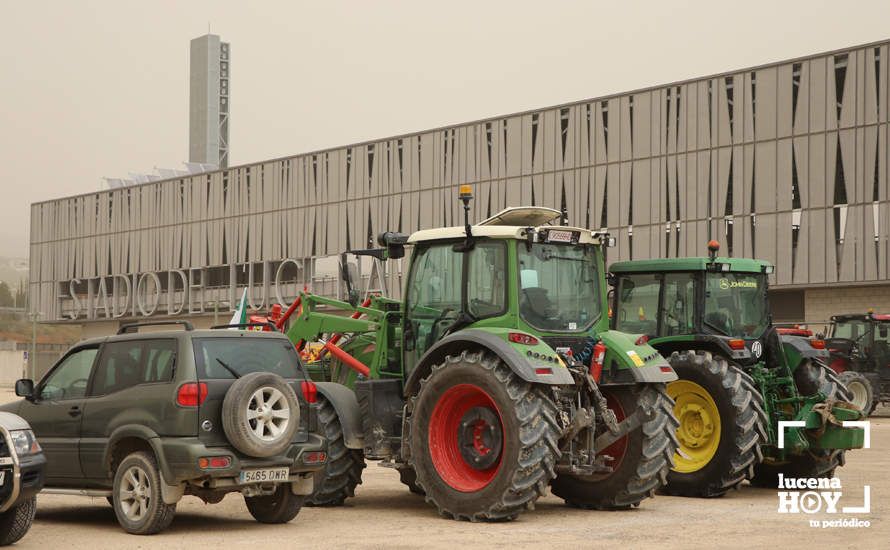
point(385, 515)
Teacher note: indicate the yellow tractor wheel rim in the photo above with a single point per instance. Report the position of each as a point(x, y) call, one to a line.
point(699, 429)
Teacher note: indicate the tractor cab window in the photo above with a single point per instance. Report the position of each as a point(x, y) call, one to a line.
point(486, 285)
point(853, 329)
point(637, 311)
point(678, 309)
point(735, 304)
point(434, 293)
point(435, 290)
point(559, 286)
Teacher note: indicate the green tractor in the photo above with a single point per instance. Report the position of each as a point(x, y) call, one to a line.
point(495, 377)
point(738, 378)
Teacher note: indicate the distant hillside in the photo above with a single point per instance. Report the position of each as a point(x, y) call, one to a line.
point(17, 328)
point(13, 271)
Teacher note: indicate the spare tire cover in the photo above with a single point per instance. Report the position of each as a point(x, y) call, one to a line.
point(260, 414)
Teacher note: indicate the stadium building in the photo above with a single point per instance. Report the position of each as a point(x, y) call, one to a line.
point(787, 162)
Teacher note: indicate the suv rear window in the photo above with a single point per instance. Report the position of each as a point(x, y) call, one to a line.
point(216, 358)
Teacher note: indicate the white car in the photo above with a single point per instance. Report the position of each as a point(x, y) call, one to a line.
point(21, 477)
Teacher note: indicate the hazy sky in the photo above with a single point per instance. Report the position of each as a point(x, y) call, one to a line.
point(93, 89)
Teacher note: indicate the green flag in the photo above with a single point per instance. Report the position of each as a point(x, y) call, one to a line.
point(240, 315)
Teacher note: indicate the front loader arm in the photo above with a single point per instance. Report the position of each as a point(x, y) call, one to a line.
point(310, 324)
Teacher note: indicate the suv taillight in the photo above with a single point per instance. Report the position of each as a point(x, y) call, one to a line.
point(191, 394)
point(310, 391)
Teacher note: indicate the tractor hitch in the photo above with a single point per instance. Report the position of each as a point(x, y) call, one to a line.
point(626, 426)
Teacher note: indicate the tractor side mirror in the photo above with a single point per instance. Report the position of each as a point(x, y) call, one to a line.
point(394, 243)
point(349, 274)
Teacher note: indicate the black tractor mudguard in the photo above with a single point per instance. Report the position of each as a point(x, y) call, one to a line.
point(345, 403)
point(524, 367)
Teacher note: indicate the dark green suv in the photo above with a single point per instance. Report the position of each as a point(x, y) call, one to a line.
point(144, 418)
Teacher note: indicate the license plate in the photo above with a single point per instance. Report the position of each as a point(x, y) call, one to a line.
point(264, 476)
point(556, 236)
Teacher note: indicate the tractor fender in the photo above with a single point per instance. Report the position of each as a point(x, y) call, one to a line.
point(703, 342)
point(345, 403)
point(798, 347)
point(630, 362)
point(522, 366)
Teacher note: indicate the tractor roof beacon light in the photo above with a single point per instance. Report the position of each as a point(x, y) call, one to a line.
point(713, 247)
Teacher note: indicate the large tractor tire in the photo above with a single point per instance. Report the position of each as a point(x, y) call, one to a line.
point(863, 394)
point(483, 442)
point(343, 471)
point(640, 461)
point(722, 425)
point(811, 463)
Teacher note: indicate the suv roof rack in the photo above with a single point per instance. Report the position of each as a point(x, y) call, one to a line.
point(247, 325)
point(133, 327)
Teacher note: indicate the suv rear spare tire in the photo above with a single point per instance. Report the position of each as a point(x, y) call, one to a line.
point(260, 414)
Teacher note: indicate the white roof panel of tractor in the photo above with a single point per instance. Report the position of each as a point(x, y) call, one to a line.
point(510, 223)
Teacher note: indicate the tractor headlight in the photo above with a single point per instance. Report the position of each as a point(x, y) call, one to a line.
point(24, 442)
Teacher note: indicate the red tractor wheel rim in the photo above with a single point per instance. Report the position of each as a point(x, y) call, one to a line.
point(447, 436)
point(618, 449)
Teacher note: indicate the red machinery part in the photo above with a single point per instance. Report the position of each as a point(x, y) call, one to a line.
point(348, 360)
point(336, 337)
point(293, 307)
point(596, 361)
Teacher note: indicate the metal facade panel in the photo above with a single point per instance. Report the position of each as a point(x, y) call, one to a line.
point(784, 254)
point(764, 181)
point(765, 108)
point(821, 168)
point(625, 128)
point(704, 188)
point(705, 106)
point(765, 237)
point(642, 124)
point(784, 102)
point(692, 114)
point(801, 115)
point(848, 100)
point(818, 80)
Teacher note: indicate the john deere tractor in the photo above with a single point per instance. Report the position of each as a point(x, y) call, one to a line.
point(495, 377)
point(738, 378)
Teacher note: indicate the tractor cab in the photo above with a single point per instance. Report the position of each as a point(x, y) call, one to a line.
point(719, 300)
point(860, 352)
point(863, 337)
point(514, 270)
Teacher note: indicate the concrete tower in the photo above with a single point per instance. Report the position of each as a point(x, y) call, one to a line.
point(210, 68)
